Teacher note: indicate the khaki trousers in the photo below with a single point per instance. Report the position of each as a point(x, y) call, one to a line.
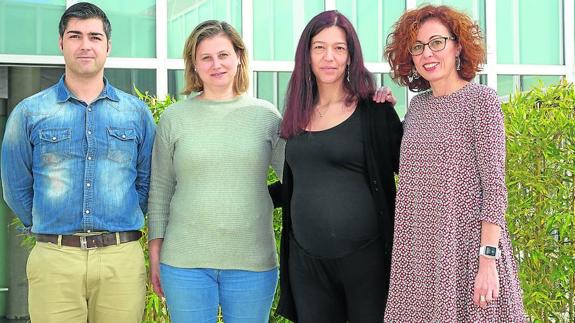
point(67, 284)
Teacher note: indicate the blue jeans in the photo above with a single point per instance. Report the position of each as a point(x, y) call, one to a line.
point(193, 294)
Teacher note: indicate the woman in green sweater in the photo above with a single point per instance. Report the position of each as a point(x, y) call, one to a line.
point(211, 240)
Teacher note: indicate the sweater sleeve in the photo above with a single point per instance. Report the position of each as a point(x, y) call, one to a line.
point(489, 140)
point(163, 179)
point(278, 151)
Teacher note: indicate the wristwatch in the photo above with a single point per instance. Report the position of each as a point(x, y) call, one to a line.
point(490, 252)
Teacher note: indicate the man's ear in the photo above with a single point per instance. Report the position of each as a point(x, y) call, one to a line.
point(109, 47)
point(60, 44)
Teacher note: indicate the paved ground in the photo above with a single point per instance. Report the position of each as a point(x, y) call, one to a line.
point(5, 320)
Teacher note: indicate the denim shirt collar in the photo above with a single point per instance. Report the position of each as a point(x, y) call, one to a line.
point(64, 94)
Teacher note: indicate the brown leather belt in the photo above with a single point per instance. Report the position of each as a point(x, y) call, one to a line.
point(92, 241)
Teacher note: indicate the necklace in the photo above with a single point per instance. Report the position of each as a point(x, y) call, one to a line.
point(327, 107)
point(321, 114)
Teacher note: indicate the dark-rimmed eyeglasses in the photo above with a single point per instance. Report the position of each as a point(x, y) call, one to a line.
point(436, 44)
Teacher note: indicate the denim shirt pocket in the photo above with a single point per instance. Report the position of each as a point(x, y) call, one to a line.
point(55, 145)
point(121, 144)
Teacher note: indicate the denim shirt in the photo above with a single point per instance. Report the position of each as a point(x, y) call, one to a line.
point(69, 167)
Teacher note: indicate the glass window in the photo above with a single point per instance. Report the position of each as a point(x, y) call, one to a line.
point(127, 79)
point(176, 84)
point(278, 25)
point(529, 33)
point(30, 27)
point(185, 15)
point(133, 27)
point(507, 44)
point(373, 20)
point(508, 84)
point(272, 86)
point(530, 81)
point(24, 81)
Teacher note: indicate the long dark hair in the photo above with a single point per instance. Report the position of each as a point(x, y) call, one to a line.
point(302, 88)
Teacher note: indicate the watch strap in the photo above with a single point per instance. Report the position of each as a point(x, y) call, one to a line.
point(490, 252)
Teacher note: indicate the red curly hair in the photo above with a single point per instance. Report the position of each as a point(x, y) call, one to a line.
point(466, 32)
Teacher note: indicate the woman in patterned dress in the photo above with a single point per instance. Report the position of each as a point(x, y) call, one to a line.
point(452, 259)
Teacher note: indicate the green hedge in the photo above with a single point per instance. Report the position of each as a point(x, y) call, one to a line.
point(540, 126)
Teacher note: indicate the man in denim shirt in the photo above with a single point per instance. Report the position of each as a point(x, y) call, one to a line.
point(76, 170)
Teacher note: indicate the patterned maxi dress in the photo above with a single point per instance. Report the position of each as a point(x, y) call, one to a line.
point(451, 176)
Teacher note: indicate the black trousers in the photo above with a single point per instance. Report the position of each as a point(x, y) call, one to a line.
point(349, 289)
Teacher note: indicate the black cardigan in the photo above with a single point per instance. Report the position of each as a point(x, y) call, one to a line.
point(382, 132)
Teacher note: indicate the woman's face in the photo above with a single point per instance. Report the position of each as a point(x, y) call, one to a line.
point(329, 56)
point(216, 63)
point(438, 64)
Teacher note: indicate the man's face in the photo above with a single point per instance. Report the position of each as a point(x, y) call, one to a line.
point(85, 47)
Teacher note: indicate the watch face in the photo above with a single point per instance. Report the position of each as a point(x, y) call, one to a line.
point(490, 251)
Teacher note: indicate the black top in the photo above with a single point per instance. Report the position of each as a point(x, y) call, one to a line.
point(381, 134)
point(332, 209)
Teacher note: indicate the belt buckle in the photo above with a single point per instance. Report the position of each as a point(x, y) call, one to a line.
point(84, 244)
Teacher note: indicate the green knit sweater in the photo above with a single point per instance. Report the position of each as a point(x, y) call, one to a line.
point(208, 193)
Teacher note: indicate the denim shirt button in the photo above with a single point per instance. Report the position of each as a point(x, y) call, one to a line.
point(89, 157)
point(87, 211)
point(88, 184)
point(54, 138)
point(89, 132)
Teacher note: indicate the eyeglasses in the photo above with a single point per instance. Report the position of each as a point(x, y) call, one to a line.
point(436, 44)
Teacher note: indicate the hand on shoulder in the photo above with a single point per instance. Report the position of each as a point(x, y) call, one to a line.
point(384, 94)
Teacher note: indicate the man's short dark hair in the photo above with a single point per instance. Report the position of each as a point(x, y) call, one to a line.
point(85, 10)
